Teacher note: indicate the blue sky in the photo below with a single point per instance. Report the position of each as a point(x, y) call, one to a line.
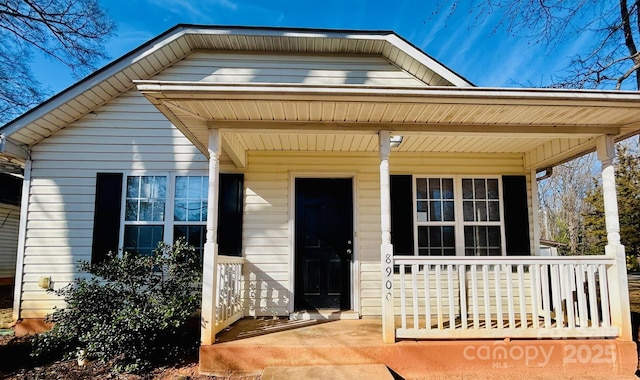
point(485, 57)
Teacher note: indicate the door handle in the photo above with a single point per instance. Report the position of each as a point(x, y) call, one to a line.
point(349, 254)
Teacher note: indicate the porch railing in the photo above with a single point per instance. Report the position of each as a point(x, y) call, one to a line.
point(492, 297)
point(229, 304)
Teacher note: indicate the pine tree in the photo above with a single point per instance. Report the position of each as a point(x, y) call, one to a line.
point(628, 188)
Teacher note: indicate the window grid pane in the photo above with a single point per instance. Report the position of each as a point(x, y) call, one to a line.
point(190, 204)
point(482, 241)
point(142, 239)
point(436, 241)
point(193, 234)
point(146, 196)
point(481, 202)
point(434, 197)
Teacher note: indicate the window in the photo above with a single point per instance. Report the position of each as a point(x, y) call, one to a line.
point(458, 216)
point(167, 207)
point(190, 210)
point(145, 204)
point(436, 216)
point(481, 217)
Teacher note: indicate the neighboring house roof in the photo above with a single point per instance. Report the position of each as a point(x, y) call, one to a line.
point(551, 243)
point(180, 41)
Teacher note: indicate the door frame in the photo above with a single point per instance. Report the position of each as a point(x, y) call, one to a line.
point(355, 263)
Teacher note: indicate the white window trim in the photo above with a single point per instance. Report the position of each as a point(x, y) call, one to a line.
point(168, 222)
point(459, 222)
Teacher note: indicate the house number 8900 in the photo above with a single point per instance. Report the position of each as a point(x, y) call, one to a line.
point(388, 284)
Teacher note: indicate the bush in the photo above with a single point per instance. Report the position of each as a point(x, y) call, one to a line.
point(133, 311)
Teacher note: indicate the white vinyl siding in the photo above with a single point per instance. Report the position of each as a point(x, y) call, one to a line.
point(267, 241)
point(59, 233)
point(220, 67)
point(9, 221)
point(61, 209)
point(128, 134)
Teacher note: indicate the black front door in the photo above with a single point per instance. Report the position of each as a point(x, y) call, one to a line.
point(324, 236)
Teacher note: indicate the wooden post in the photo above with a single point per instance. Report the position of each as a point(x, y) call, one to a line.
point(210, 257)
point(386, 249)
point(617, 274)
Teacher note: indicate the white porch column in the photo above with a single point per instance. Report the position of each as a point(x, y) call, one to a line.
point(386, 249)
point(617, 275)
point(210, 256)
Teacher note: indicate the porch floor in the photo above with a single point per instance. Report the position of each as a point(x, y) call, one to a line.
point(251, 345)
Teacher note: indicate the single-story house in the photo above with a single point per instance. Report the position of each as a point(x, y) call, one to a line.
point(348, 175)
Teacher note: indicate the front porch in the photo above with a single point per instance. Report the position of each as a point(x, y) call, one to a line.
point(551, 315)
point(478, 220)
point(251, 345)
point(561, 314)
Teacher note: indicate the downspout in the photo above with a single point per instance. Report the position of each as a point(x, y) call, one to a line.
point(22, 236)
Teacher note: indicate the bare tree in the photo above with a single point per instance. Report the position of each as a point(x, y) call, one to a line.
point(562, 203)
point(610, 62)
point(72, 32)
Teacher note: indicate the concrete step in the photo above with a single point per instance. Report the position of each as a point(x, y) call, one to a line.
point(336, 372)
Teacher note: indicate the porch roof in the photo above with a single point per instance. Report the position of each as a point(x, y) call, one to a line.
point(546, 126)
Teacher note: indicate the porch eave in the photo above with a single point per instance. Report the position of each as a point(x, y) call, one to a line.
point(529, 122)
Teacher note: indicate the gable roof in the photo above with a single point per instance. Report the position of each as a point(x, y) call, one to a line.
point(175, 44)
point(448, 114)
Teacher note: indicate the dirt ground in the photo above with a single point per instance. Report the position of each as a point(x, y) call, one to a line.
point(16, 363)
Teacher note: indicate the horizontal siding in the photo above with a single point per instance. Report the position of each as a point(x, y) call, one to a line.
point(9, 222)
point(266, 231)
point(220, 67)
point(129, 134)
point(267, 239)
point(126, 134)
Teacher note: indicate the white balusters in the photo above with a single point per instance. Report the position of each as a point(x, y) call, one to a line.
point(466, 297)
point(229, 303)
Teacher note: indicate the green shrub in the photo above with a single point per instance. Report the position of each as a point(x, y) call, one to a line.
point(133, 311)
point(632, 263)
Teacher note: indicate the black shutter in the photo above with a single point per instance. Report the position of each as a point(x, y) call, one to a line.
point(106, 217)
point(230, 207)
point(402, 214)
point(516, 215)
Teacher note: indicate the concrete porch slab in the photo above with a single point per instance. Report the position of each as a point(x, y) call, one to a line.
point(341, 372)
point(359, 342)
point(325, 314)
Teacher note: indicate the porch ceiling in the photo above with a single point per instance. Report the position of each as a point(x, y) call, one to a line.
point(435, 119)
